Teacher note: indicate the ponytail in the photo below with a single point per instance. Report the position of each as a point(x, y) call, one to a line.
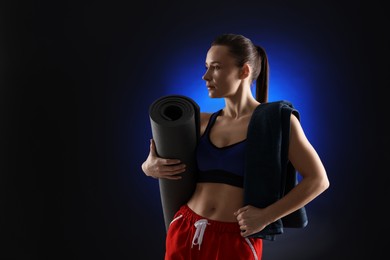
point(262, 79)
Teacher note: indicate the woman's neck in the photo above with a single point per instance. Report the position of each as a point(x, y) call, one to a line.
point(237, 108)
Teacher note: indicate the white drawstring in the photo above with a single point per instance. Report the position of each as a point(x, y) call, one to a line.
point(200, 228)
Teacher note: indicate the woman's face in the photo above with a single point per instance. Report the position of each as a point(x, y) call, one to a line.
point(222, 75)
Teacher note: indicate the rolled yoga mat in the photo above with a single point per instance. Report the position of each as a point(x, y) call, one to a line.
point(175, 123)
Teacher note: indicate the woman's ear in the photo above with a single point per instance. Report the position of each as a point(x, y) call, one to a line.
point(245, 71)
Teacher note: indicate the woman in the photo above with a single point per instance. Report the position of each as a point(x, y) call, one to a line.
point(215, 223)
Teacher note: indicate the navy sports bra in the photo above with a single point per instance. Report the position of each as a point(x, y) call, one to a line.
point(220, 165)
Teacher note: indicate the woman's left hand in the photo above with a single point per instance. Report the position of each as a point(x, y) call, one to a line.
point(251, 220)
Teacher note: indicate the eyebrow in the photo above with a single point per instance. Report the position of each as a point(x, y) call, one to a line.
point(214, 62)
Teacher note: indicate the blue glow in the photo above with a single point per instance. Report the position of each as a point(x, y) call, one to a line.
point(293, 70)
point(289, 77)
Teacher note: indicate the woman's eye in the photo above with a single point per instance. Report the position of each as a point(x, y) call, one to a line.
point(214, 67)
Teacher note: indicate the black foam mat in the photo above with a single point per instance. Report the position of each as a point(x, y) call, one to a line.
point(175, 124)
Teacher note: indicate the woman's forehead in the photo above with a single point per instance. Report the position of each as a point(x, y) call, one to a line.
point(218, 54)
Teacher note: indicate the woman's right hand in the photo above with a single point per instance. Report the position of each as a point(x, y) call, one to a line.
point(158, 167)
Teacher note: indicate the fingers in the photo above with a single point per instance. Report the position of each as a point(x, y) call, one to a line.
point(241, 210)
point(250, 220)
point(244, 229)
point(174, 177)
point(245, 233)
point(170, 162)
point(169, 170)
point(152, 148)
point(163, 167)
point(242, 221)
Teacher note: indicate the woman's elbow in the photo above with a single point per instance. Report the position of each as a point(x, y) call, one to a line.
point(323, 183)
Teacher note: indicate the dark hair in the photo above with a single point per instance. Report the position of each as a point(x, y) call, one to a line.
point(244, 51)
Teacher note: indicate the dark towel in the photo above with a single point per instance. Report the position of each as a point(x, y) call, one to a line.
point(269, 175)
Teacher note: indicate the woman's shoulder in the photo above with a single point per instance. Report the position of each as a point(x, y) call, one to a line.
point(204, 120)
point(205, 116)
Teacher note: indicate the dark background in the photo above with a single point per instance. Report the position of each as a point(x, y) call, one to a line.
point(76, 81)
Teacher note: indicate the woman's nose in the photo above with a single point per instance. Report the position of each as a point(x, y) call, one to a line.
point(205, 75)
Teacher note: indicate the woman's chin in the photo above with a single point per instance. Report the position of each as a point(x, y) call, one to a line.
point(212, 94)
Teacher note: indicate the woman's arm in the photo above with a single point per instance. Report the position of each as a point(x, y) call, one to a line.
point(308, 164)
point(157, 167)
point(314, 181)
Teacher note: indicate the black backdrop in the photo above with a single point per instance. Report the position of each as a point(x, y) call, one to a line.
point(77, 78)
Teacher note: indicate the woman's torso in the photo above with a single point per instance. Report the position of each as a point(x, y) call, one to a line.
point(218, 201)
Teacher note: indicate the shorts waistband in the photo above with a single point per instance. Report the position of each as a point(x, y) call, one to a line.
point(219, 226)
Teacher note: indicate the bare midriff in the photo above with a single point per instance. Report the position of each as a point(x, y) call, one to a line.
point(216, 201)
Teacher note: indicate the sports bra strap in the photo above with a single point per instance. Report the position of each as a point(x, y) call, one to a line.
point(211, 122)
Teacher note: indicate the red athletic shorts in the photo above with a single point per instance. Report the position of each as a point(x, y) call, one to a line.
point(191, 236)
